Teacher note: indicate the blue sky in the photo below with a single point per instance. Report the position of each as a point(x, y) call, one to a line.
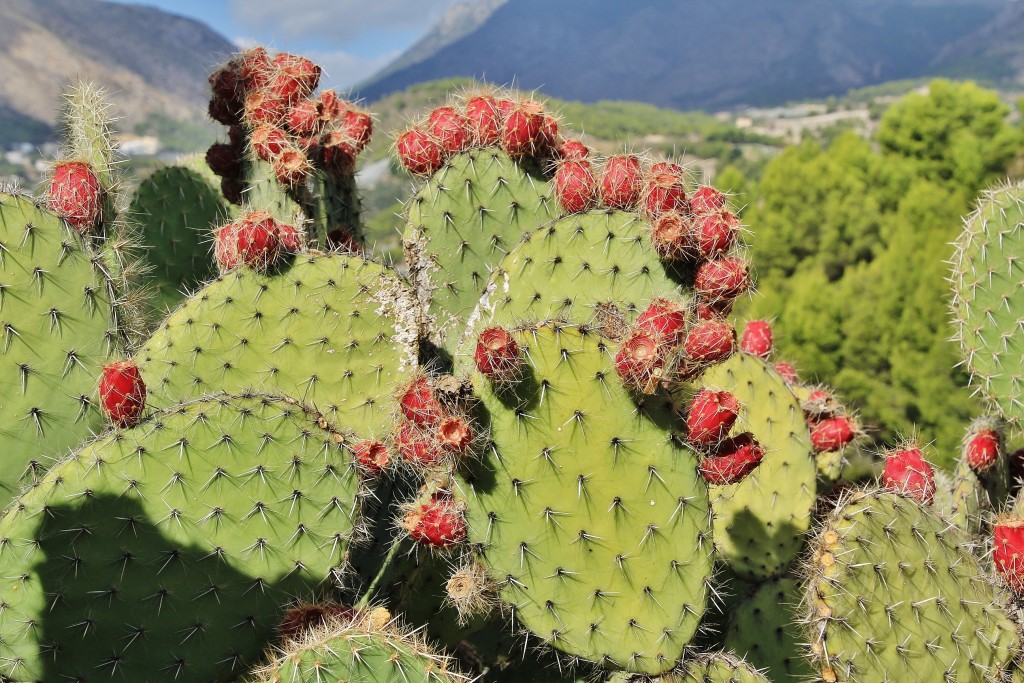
point(350, 39)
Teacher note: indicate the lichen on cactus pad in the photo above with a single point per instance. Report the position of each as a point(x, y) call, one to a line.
point(169, 551)
point(333, 331)
point(588, 511)
point(988, 301)
point(58, 327)
point(893, 591)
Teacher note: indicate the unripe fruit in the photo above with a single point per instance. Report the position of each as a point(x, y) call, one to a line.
point(450, 129)
point(498, 356)
point(982, 449)
point(419, 405)
point(670, 236)
point(418, 152)
point(438, 522)
point(76, 195)
point(712, 234)
point(757, 338)
point(833, 433)
point(122, 393)
point(710, 416)
point(664, 190)
point(732, 460)
point(710, 341)
point(483, 119)
point(573, 150)
point(665, 320)
point(1008, 551)
point(722, 278)
point(575, 187)
point(521, 132)
point(372, 457)
point(707, 199)
point(907, 472)
point(621, 182)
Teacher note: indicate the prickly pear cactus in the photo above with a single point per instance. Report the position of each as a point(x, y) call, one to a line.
point(764, 628)
point(716, 667)
point(988, 300)
point(894, 591)
point(58, 327)
point(167, 552)
point(588, 512)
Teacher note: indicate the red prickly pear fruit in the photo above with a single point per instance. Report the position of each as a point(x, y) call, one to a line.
point(710, 310)
point(304, 118)
point(300, 69)
point(670, 236)
point(788, 373)
point(710, 341)
point(256, 239)
point(907, 472)
point(338, 152)
point(223, 160)
point(714, 233)
point(262, 107)
point(981, 449)
point(342, 239)
point(521, 132)
point(418, 152)
point(419, 404)
point(483, 119)
point(722, 278)
point(639, 361)
point(498, 356)
point(664, 190)
point(438, 522)
point(122, 393)
point(76, 195)
point(732, 460)
point(665, 320)
point(358, 125)
point(1008, 551)
point(298, 620)
point(707, 199)
point(757, 338)
point(454, 435)
point(331, 106)
point(575, 187)
point(416, 447)
point(710, 416)
point(621, 182)
point(291, 166)
point(255, 68)
point(505, 108)
point(450, 129)
point(818, 404)
point(372, 457)
point(291, 238)
point(548, 140)
point(833, 433)
point(573, 150)
point(268, 141)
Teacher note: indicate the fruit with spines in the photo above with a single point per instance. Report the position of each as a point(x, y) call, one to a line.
point(1008, 551)
point(908, 473)
point(722, 278)
point(757, 338)
point(122, 393)
point(621, 182)
point(498, 356)
point(435, 520)
point(76, 195)
point(664, 190)
point(710, 416)
point(833, 433)
point(575, 186)
point(732, 460)
point(710, 341)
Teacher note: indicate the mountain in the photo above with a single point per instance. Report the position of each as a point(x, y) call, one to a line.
point(151, 62)
point(699, 54)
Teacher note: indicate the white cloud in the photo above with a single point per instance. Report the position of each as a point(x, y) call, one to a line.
point(342, 70)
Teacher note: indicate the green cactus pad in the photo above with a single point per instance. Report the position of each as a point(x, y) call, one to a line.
point(961, 498)
point(177, 209)
point(760, 522)
point(765, 629)
point(361, 651)
point(332, 331)
point(169, 551)
point(463, 221)
point(588, 512)
point(57, 330)
point(572, 267)
point(988, 301)
point(894, 592)
point(718, 667)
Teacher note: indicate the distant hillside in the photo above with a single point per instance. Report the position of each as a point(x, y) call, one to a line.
point(150, 61)
point(700, 54)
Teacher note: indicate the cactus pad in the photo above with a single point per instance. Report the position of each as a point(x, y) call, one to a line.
point(588, 511)
point(894, 591)
point(167, 552)
point(765, 629)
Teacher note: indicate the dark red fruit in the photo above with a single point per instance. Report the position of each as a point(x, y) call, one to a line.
point(419, 405)
point(298, 620)
point(232, 189)
point(710, 416)
point(454, 435)
point(732, 460)
point(438, 522)
point(575, 186)
point(573, 150)
point(907, 472)
point(722, 278)
point(713, 233)
point(639, 361)
point(338, 152)
point(707, 199)
point(665, 320)
point(521, 132)
point(223, 160)
point(76, 195)
point(621, 182)
point(483, 119)
point(757, 339)
point(710, 341)
point(417, 447)
point(670, 236)
point(257, 241)
point(788, 373)
point(372, 456)
point(1008, 551)
point(498, 356)
point(122, 393)
point(833, 433)
point(664, 190)
point(982, 449)
point(418, 152)
point(450, 129)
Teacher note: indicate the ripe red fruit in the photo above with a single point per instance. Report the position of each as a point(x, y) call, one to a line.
point(122, 393)
point(304, 118)
point(291, 238)
point(722, 278)
point(621, 182)
point(498, 356)
point(907, 472)
point(418, 403)
point(331, 106)
point(665, 320)
point(255, 68)
point(268, 141)
point(982, 449)
point(819, 403)
point(483, 119)
point(76, 195)
point(548, 140)
point(358, 125)
point(372, 456)
point(263, 107)
point(450, 129)
point(709, 310)
point(788, 373)
point(338, 152)
point(256, 240)
point(573, 150)
point(732, 460)
point(670, 236)
point(710, 341)
point(417, 447)
point(639, 361)
point(1008, 551)
point(418, 152)
point(712, 234)
point(664, 190)
point(438, 522)
point(505, 108)
point(833, 433)
point(710, 416)
point(303, 71)
point(757, 338)
point(454, 434)
point(291, 166)
point(707, 199)
point(575, 186)
point(521, 132)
